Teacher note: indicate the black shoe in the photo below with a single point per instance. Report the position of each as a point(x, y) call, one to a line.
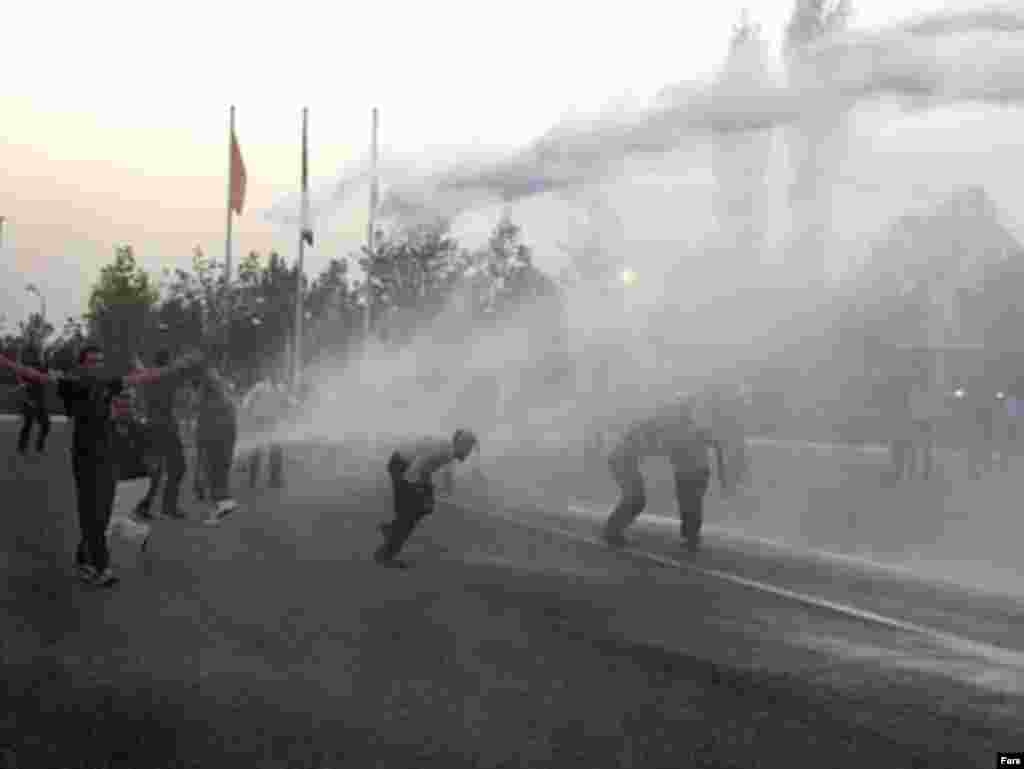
point(105, 578)
point(176, 515)
point(394, 563)
point(86, 573)
point(692, 544)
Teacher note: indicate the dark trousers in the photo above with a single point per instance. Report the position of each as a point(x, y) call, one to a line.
point(216, 452)
point(275, 469)
point(30, 414)
point(95, 484)
point(632, 499)
point(691, 486)
point(168, 456)
point(413, 502)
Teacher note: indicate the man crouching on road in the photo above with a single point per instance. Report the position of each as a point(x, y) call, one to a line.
point(411, 469)
point(673, 433)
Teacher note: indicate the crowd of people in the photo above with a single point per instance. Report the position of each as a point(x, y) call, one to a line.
point(978, 417)
point(128, 427)
point(151, 413)
point(137, 426)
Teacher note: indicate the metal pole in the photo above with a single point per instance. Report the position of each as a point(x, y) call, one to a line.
point(372, 225)
point(227, 243)
point(304, 214)
point(226, 307)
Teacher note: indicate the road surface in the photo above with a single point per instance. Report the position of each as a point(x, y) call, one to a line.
point(514, 641)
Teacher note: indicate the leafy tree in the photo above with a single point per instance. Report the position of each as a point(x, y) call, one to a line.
point(36, 329)
point(333, 308)
point(120, 306)
point(412, 273)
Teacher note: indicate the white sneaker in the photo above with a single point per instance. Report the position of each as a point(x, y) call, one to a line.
point(225, 508)
point(129, 529)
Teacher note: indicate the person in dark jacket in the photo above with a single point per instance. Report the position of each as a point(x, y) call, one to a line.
point(167, 449)
point(33, 407)
point(88, 395)
point(216, 435)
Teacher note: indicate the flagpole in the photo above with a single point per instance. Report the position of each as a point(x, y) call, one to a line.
point(227, 242)
point(304, 224)
point(371, 226)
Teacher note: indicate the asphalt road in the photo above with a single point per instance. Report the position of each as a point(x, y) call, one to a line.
point(514, 641)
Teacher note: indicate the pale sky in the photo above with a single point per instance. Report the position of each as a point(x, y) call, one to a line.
point(114, 114)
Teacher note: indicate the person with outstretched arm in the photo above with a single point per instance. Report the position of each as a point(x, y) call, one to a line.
point(167, 447)
point(412, 469)
point(88, 394)
point(33, 407)
point(216, 436)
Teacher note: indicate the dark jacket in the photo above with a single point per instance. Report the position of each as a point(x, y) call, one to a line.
point(87, 401)
point(217, 414)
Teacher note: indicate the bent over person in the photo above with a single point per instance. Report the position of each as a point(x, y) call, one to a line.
point(674, 434)
point(88, 395)
point(412, 469)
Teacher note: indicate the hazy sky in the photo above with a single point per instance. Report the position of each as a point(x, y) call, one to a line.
point(114, 114)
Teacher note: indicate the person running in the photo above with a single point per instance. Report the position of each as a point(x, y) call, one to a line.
point(88, 395)
point(675, 434)
point(33, 407)
point(216, 435)
point(412, 468)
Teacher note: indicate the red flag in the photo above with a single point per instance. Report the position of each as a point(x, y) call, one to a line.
point(237, 176)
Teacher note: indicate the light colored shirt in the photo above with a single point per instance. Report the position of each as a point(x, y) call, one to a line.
point(263, 401)
point(426, 457)
point(664, 436)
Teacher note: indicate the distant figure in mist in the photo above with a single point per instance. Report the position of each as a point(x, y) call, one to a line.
point(1014, 419)
point(926, 405)
point(898, 423)
point(266, 405)
point(673, 433)
point(978, 407)
point(412, 468)
point(33, 405)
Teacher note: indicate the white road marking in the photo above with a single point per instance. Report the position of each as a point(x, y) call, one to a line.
point(988, 652)
point(722, 532)
point(824, 556)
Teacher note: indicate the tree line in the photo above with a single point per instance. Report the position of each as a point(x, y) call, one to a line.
point(247, 325)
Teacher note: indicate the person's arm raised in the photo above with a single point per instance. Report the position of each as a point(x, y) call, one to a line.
point(26, 373)
point(150, 375)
